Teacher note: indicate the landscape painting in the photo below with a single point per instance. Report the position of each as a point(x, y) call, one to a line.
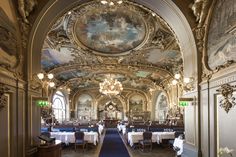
point(222, 39)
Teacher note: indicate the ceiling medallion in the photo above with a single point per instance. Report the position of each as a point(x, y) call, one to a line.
point(110, 30)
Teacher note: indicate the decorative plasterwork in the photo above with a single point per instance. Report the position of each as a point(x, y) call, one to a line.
point(8, 42)
point(202, 10)
point(228, 100)
point(25, 8)
point(109, 30)
point(3, 98)
point(153, 31)
point(76, 63)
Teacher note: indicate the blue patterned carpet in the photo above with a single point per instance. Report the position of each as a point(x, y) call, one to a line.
point(113, 145)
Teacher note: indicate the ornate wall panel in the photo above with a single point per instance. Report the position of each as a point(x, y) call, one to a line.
point(224, 123)
point(5, 123)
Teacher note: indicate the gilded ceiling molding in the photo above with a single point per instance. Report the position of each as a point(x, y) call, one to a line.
point(105, 67)
point(158, 34)
point(3, 98)
point(228, 63)
point(228, 100)
point(202, 10)
point(150, 57)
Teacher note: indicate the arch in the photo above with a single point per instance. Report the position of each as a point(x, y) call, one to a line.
point(166, 9)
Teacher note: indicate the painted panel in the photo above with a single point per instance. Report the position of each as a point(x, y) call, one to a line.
point(113, 32)
point(64, 76)
point(136, 103)
point(222, 39)
point(84, 107)
point(51, 57)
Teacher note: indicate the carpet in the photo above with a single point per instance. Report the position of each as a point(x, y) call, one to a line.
point(113, 145)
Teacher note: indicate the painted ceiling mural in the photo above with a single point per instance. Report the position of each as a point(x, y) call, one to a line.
point(112, 32)
point(129, 41)
point(222, 39)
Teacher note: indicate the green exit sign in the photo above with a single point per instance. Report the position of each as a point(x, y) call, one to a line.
point(183, 103)
point(42, 103)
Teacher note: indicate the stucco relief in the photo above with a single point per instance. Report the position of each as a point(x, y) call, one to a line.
point(221, 39)
point(8, 45)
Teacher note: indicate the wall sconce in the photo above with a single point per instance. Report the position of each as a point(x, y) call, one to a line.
point(46, 82)
point(187, 82)
point(3, 98)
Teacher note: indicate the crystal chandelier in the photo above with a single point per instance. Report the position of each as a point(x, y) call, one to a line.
point(111, 2)
point(110, 86)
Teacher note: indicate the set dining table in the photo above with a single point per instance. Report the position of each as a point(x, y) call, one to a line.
point(69, 137)
point(157, 137)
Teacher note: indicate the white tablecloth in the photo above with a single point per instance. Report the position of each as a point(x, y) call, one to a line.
point(179, 144)
point(69, 137)
point(135, 137)
point(164, 135)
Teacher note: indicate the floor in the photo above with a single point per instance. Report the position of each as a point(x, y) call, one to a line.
point(93, 151)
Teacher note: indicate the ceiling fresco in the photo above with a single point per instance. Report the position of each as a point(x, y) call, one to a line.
point(110, 32)
point(129, 41)
point(222, 39)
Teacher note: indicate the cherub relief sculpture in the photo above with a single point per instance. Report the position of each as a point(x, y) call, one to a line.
point(8, 42)
point(200, 10)
point(25, 7)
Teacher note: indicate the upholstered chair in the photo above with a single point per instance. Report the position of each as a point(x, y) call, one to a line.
point(147, 141)
point(79, 140)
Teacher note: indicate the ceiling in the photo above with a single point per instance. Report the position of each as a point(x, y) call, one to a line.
point(127, 40)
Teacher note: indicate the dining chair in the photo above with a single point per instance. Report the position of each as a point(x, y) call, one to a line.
point(147, 141)
point(79, 140)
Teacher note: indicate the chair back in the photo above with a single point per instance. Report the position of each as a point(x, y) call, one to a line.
point(79, 135)
point(147, 135)
point(47, 134)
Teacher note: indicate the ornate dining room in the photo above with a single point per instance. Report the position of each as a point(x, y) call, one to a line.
point(117, 78)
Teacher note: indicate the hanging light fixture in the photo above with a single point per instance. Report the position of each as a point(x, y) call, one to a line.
point(111, 2)
point(110, 86)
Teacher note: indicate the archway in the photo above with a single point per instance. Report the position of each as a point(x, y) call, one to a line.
point(166, 9)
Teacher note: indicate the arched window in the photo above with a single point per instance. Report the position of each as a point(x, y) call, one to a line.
point(59, 106)
point(161, 107)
